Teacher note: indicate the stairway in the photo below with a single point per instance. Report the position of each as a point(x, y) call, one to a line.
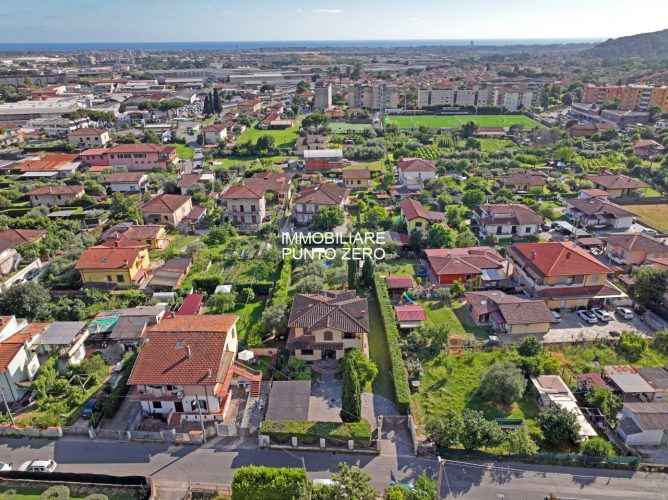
point(255, 388)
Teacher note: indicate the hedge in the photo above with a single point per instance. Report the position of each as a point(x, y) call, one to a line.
point(280, 292)
point(399, 375)
point(268, 483)
point(359, 431)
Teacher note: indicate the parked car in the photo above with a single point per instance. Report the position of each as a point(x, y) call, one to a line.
point(601, 314)
point(32, 273)
point(87, 410)
point(557, 316)
point(39, 466)
point(5, 467)
point(587, 316)
point(625, 312)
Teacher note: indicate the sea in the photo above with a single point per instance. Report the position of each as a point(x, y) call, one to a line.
point(285, 44)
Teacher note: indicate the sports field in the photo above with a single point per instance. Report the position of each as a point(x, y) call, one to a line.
point(456, 121)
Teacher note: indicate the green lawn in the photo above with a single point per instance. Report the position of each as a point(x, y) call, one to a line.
point(653, 215)
point(374, 166)
point(460, 321)
point(490, 145)
point(182, 151)
point(34, 493)
point(249, 315)
point(379, 352)
point(342, 128)
point(401, 267)
point(250, 160)
point(284, 138)
point(456, 121)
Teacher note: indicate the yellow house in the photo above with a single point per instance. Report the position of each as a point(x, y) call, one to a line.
point(357, 178)
point(416, 216)
point(122, 267)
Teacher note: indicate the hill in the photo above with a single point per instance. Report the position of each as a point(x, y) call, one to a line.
point(643, 45)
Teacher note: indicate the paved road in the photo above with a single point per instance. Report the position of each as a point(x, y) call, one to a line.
point(173, 466)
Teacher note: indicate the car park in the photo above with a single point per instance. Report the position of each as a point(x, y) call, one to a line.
point(601, 314)
point(38, 466)
point(587, 316)
point(625, 312)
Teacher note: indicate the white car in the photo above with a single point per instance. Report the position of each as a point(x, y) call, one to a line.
point(587, 316)
point(601, 314)
point(625, 312)
point(5, 467)
point(557, 316)
point(39, 466)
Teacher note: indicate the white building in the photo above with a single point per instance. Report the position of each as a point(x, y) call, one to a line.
point(323, 96)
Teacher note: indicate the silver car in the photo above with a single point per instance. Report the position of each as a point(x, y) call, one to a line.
point(625, 312)
point(587, 316)
point(39, 466)
point(601, 314)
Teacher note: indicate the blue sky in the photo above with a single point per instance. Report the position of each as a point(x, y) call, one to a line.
point(223, 20)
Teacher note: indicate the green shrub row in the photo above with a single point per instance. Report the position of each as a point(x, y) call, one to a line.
point(112, 401)
point(399, 374)
point(268, 483)
point(280, 292)
point(359, 431)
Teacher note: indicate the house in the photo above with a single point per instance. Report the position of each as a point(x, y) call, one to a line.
point(417, 217)
point(447, 265)
point(560, 273)
point(598, 213)
point(16, 238)
point(116, 266)
point(634, 249)
point(142, 157)
point(617, 185)
point(506, 221)
point(328, 323)
point(214, 134)
point(64, 339)
point(551, 390)
point(18, 360)
point(644, 424)
point(410, 317)
point(89, 137)
point(358, 178)
point(245, 207)
point(648, 148)
point(311, 142)
point(311, 199)
point(278, 184)
point(51, 166)
point(628, 384)
point(127, 182)
point(658, 379)
point(398, 285)
point(167, 208)
point(170, 275)
point(127, 326)
point(152, 235)
point(413, 172)
point(323, 160)
point(186, 367)
point(250, 107)
point(187, 181)
point(522, 182)
point(511, 314)
point(54, 195)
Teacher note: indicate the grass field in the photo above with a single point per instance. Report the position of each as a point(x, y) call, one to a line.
point(183, 152)
point(249, 315)
point(490, 145)
point(456, 121)
point(342, 128)
point(373, 166)
point(379, 352)
point(460, 321)
point(653, 215)
point(284, 138)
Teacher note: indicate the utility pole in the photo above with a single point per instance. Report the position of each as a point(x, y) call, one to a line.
point(441, 466)
point(199, 411)
point(9, 412)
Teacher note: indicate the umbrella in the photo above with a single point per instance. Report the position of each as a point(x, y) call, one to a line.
point(246, 355)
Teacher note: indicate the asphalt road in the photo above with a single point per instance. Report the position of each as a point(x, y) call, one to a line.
point(173, 467)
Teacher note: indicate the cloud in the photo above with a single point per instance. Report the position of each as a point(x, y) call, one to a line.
point(414, 19)
point(327, 11)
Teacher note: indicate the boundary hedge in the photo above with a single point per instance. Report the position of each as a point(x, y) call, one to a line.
point(358, 431)
point(399, 374)
point(268, 483)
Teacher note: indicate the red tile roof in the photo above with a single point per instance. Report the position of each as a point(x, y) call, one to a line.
point(18, 237)
point(57, 190)
point(399, 282)
point(410, 313)
point(101, 257)
point(322, 194)
point(417, 165)
point(243, 193)
point(413, 209)
point(463, 260)
point(10, 347)
point(191, 304)
point(557, 259)
point(165, 204)
point(87, 131)
point(612, 181)
point(48, 163)
point(140, 148)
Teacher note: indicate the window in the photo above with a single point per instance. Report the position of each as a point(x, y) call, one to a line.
point(120, 278)
point(527, 230)
point(329, 336)
point(157, 405)
point(109, 278)
point(307, 352)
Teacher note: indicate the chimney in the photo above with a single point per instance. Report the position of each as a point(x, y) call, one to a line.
point(189, 353)
point(533, 256)
point(363, 312)
point(209, 373)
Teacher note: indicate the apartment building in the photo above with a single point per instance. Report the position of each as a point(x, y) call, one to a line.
point(373, 97)
point(323, 96)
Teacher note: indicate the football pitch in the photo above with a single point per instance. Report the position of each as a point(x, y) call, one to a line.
point(456, 121)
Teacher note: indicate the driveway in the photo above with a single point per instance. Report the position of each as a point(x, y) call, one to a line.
point(572, 328)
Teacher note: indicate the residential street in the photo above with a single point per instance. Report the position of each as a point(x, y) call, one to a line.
point(215, 465)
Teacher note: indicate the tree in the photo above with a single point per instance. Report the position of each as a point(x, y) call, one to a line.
point(478, 432)
point(268, 87)
point(438, 335)
point(521, 443)
point(441, 237)
point(302, 86)
point(558, 425)
point(423, 489)
point(466, 239)
point(650, 284)
point(217, 104)
point(328, 218)
point(503, 383)
point(530, 347)
point(356, 73)
point(473, 198)
point(473, 143)
point(352, 482)
point(67, 309)
point(376, 217)
point(124, 209)
point(222, 302)
point(353, 274)
point(368, 268)
point(364, 368)
point(27, 300)
point(310, 283)
point(275, 317)
point(661, 341)
point(351, 398)
point(597, 447)
point(605, 400)
point(417, 239)
point(468, 129)
point(265, 143)
point(631, 345)
point(457, 290)
point(446, 429)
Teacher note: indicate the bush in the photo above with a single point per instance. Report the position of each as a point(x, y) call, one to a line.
point(597, 447)
point(631, 345)
point(530, 347)
point(399, 374)
point(268, 483)
point(558, 425)
point(358, 431)
point(58, 492)
point(503, 383)
point(207, 284)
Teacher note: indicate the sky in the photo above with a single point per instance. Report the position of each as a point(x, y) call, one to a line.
point(274, 20)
